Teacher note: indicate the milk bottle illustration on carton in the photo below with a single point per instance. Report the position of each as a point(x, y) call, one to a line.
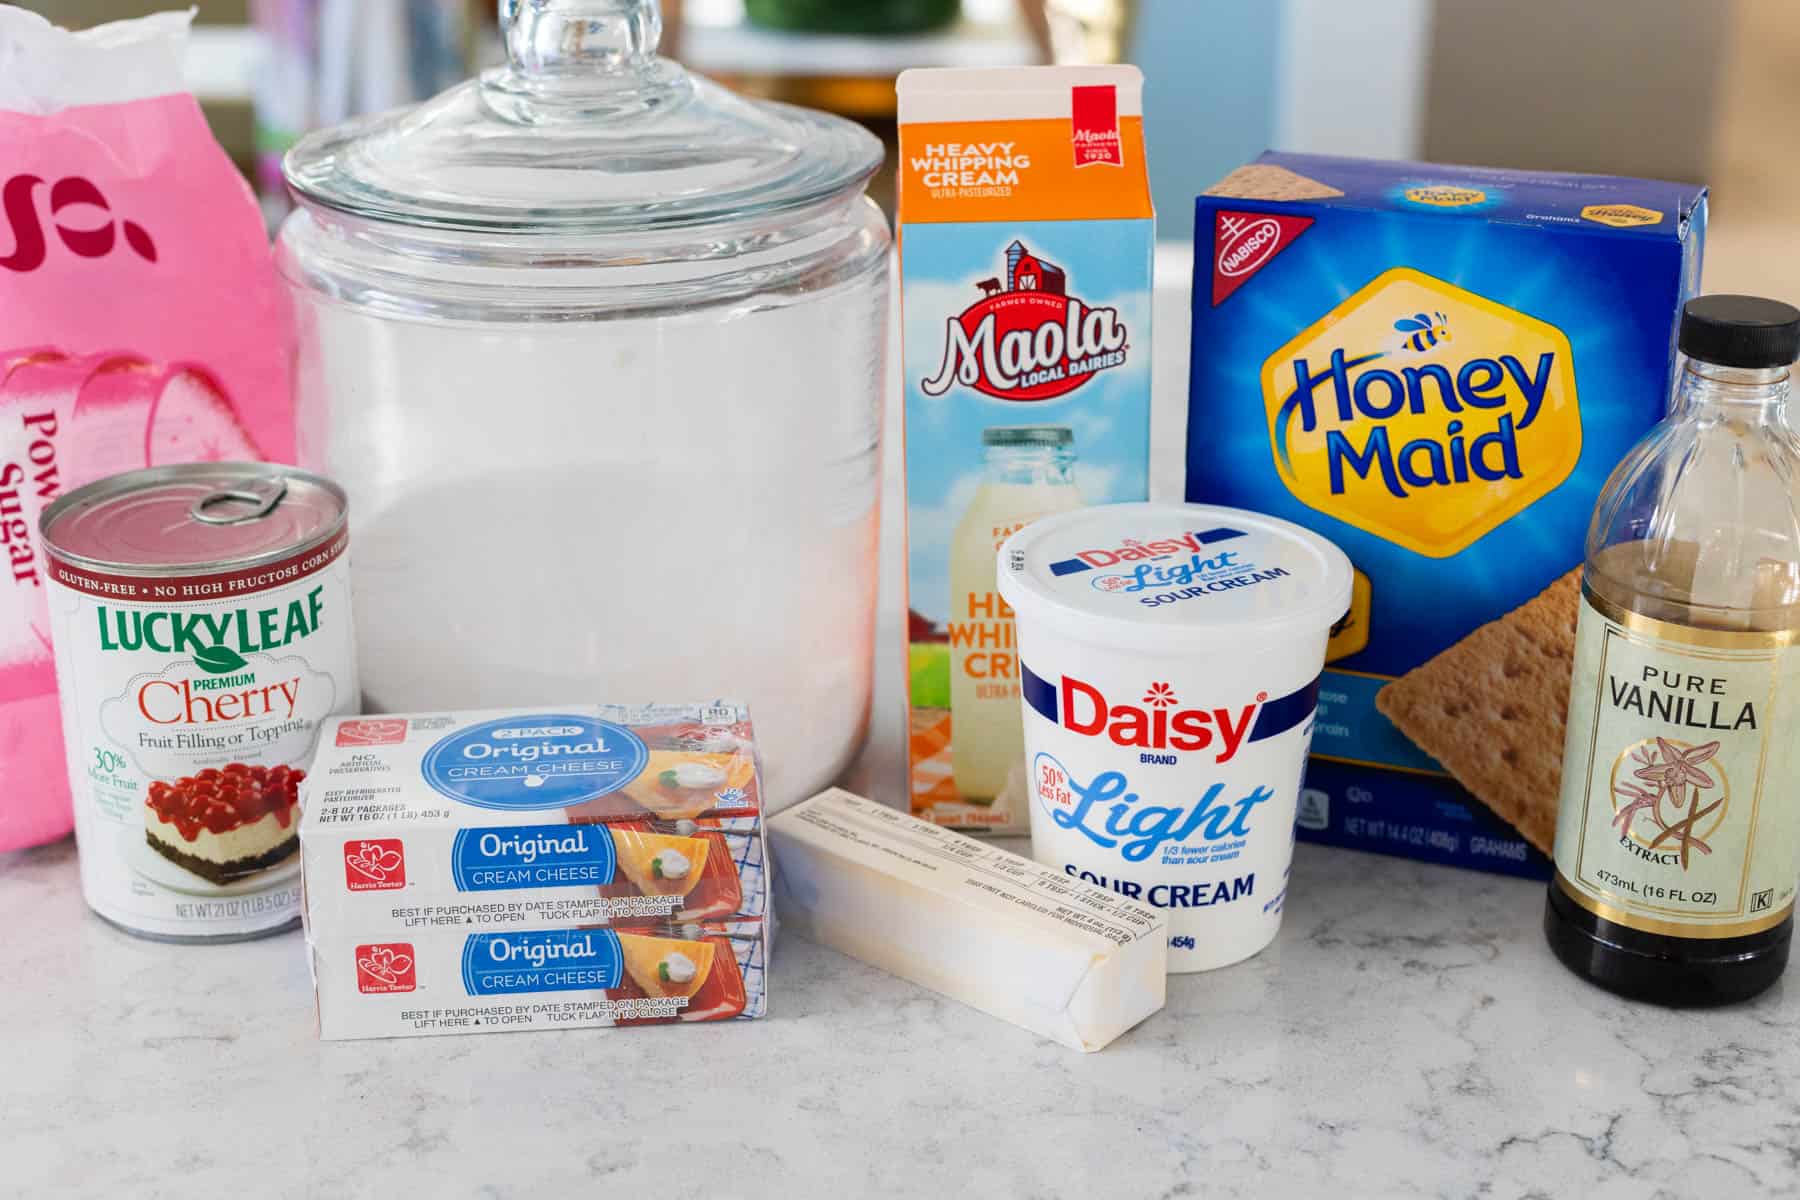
point(1029, 474)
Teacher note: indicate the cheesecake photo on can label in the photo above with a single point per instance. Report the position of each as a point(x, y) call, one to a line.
point(225, 824)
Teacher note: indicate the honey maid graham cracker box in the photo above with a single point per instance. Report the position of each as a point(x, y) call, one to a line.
point(1437, 368)
point(1026, 237)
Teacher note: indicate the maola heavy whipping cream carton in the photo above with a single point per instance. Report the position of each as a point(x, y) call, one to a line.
point(546, 868)
point(1026, 236)
point(1436, 368)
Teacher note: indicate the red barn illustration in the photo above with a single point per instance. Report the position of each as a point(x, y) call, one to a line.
point(1026, 272)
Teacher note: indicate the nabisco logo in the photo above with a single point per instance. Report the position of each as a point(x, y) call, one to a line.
point(1247, 245)
point(1027, 338)
point(1245, 242)
point(1159, 722)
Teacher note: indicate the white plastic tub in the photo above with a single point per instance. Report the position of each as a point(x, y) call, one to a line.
point(1170, 660)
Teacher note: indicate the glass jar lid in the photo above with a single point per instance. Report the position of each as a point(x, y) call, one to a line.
point(585, 130)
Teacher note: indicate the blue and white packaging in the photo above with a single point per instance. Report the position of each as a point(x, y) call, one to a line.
point(444, 981)
point(1436, 367)
point(1170, 658)
point(611, 851)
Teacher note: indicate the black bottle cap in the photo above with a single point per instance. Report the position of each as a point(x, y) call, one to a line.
point(1740, 331)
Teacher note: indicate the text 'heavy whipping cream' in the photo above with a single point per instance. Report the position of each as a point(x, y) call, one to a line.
point(1170, 658)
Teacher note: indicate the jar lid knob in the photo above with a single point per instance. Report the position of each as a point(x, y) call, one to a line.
point(575, 59)
point(549, 36)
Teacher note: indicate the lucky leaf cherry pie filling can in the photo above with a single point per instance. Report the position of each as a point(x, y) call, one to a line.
point(200, 617)
point(1169, 656)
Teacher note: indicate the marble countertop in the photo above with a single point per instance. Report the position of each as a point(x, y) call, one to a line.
point(1408, 1034)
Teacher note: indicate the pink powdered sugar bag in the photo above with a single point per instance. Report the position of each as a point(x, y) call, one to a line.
point(141, 323)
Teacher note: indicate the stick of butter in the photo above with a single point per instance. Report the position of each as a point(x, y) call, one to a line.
point(1065, 959)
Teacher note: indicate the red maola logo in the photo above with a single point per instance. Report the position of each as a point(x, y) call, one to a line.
point(374, 865)
point(1026, 338)
point(1244, 243)
point(385, 968)
point(1094, 126)
point(82, 237)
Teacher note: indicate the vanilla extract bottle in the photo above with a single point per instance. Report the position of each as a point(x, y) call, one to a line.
point(1678, 833)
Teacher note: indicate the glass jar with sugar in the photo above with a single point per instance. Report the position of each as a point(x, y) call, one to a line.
point(597, 349)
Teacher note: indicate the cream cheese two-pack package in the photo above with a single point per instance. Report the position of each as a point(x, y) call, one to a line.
point(575, 865)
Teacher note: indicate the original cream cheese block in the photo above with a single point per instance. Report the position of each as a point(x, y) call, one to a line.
point(1065, 959)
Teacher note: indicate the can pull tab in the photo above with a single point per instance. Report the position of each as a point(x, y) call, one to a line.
point(251, 501)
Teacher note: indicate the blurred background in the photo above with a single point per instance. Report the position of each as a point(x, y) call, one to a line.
point(1700, 90)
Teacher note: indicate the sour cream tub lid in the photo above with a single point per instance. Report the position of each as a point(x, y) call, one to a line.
point(1173, 576)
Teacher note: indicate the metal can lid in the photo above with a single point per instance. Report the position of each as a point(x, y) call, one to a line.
point(195, 516)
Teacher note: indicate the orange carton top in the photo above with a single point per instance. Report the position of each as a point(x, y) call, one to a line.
point(1022, 144)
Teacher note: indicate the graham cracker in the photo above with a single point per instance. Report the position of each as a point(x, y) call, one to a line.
point(1493, 708)
point(1266, 181)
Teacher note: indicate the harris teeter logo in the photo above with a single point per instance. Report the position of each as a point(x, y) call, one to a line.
point(1026, 337)
point(1423, 413)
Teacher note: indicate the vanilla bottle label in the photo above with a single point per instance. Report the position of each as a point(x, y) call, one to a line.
point(1678, 812)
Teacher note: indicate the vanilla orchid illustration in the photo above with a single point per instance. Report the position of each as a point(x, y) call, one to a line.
point(1637, 800)
point(1679, 767)
point(1673, 771)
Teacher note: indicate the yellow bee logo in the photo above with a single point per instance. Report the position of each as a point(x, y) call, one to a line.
point(1421, 331)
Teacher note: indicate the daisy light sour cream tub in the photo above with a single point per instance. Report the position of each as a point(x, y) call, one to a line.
point(1170, 657)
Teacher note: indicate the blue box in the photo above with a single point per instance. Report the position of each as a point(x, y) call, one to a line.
point(1437, 368)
